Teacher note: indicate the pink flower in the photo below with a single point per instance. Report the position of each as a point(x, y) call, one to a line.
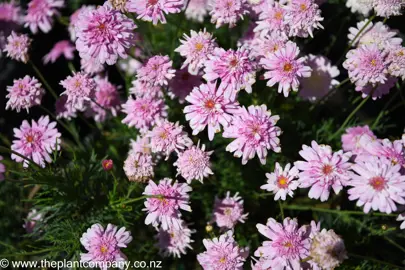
point(107, 164)
point(165, 207)
point(157, 71)
point(64, 110)
point(282, 181)
point(17, 47)
point(267, 45)
point(142, 89)
point(91, 66)
point(377, 90)
point(143, 113)
point(62, 47)
point(401, 217)
point(284, 68)
point(229, 211)
point(194, 163)
point(10, 12)
point(141, 145)
point(24, 94)
point(209, 108)
point(361, 6)
point(327, 250)
point(33, 218)
point(104, 34)
point(255, 131)
point(154, 10)
point(36, 141)
point(322, 78)
point(323, 170)
point(397, 58)
point(288, 245)
point(167, 137)
point(182, 84)
point(222, 253)
point(392, 151)
point(2, 169)
point(351, 139)
point(120, 5)
point(79, 88)
point(104, 245)
point(197, 10)
point(40, 14)
point(130, 65)
point(228, 12)
point(257, 7)
point(272, 20)
point(377, 184)
point(235, 69)
point(74, 19)
point(175, 241)
point(138, 167)
point(387, 8)
point(196, 48)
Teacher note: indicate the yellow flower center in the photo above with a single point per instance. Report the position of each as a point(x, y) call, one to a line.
point(278, 15)
point(282, 181)
point(29, 138)
point(303, 7)
point(287, 67)
point(222, 260)
point(199, 46)
point(103, 249)
point(373, 62)
point(327, 169)
point(209, 104)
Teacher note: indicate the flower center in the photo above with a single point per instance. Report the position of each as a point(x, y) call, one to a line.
point(287, 67)
point(282, 181)
point(29, 138)
point(163, 135)
point(373, 62)
point(103, 249)
point(152, 2)
point(78, 84)
point(401, 53)
point(303, 7)
point(101, 26)
point(199, 46)
point(278, 15)
point(378, 183)
point(234, 62)
point(228, 211)
point(327, 169)
point(222, 260)
point(229, 4)
point(136, 164)
point(288, 244)
point(209, 104)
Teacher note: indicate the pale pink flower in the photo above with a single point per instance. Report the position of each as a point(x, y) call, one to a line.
point(104, 245)
point(255, 131)
point(141, 145)
point(194, 163)
point(129, 66)
point(157, 71)
point(209, 108)
point(165, 207)
point(63, 109)
point(79, 89)
point(361, 6)
point(196, 48)
point(272, 20)
point(36, 141)
point(2, 169)
point(289, 244)
point(17, 47)
point(401, 217)
point(74, 19)
point(387, 8)
point(327, 250)
point(259, 6)
point(282, 182)
point(285, 68)
point(64, 48)
point(392, 151)
point(40, 14)
point(10, 12)
point(351, 139)
point(258, 264)
point(235, 69)
point(33, 218)
point(182, 84)
point(267, 45)
point(142, 89)
point(197, 10)
point(91, 66)
point(377, 184)
point(223, 253)
point(138, 167)
point(397, 58)
point(154, 10)
point(24, 94)
point(229, 211)
point(174, 241)
point(323, 170)
point(376, 90)
point(228, 12)
point(104, 34)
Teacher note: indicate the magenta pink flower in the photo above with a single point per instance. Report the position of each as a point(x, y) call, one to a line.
point(142, 89)
point(175, 241)
point(33, 218)
point(288, 245)
point(229, 211)
point(351, 139)
point(387, 8)
point(74, 19)
point(64, 110)
point(79, 89)
point(209, 108)
point(196, 48)
point(91, 66)
point(157, 71)
point(64, 48)
point(154, 10)
point(17, 47)
point(138, 167)
point(284, 68)
point(104, 34)
point(397, 58)
point(197, 10)
point(194, 163)
point(235, 69)
point(165, 207)
point(228, 12)
point(222, 253)
point(104, 245)
point(24, 94)
point(143, 113)
point(2, 169)
point(377, 184)
point(40, 14)
point(107, 164)
point(255, 131)
point(376, 90)
point(282, 182)
point(322, 170)
point(10, 12)
point(272, 20)
point(182, 84)
point(36, 141)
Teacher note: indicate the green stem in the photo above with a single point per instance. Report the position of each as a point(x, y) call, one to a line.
point(139, 199)
point(331, 92)
point(333, 211)
point(373, 260)
point(30, 253)
point(41, 77)
point(381, 114)
point(281, 209)
point(392, 242)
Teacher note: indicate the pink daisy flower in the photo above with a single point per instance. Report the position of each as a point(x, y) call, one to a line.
point(397, 59)
point(392, 151)
point(40, 14)
point(143, 113)
point(141, 145)
point(36, 141)
point(2, 169)
point(377, 184)
point(10, 12)
point(64, 110)
point(138, 167)
point(229, 211)
point(259, 6)
point(104, 245)
point(289, 244)
point(327, 250)
point(351, 139)
point(175, 241)
point(197, 10)
point(272, 20)
point(17, 47)
point(33, 218)
point(104, 34)
point(282, 182)
point(255, 131)
point(222, 253)
point(142, 89)
point(285, 68)
point(165, 209)
point(235, 69)
point(194, 163)
point(322, 170)
point(196, 48)
point(209, 108)
point(24, 94)
point(91, 66)
point(157, 71)
point(377, 90)
point(74, 19)
point(360, 6)
point(387, 8)
point(228, 12)
point(167, 137)
point(322, 78)
point(79, 89)
point(182, 84)
point(64, 48)
point(266, 46)
point(154, 10)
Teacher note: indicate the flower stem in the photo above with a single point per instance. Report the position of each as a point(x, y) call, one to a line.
point(139, 199)
point(331, 92)
point(281, 209)
point(41, 77)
